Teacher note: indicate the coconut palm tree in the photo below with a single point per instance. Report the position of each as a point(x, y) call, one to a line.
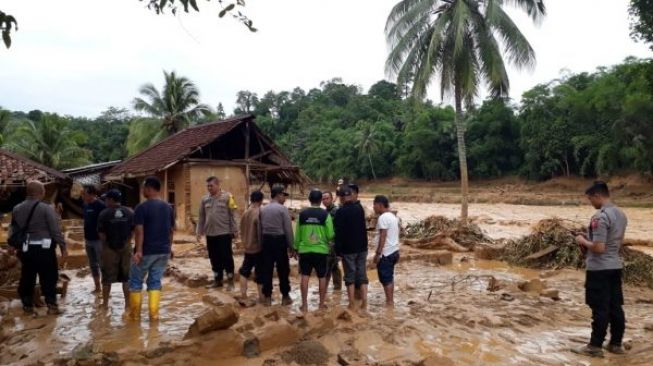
point(177, 106)
point(368, 142)
point(455, 42)
point(49, 141)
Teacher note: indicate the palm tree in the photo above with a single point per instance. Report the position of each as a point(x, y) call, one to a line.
point(176, 107)
point(455, 42)
point(368, 142)
point(50, 141)
point(5, 117)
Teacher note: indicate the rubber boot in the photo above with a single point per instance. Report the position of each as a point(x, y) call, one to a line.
point(135, 301)
point(154, 296)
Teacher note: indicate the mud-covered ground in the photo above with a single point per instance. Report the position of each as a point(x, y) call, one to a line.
point(445, 315)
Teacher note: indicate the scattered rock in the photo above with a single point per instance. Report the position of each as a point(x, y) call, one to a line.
point(551, 293)
point(437, 361)
point(495, 285)
point(441, 257)
point(535, 285)
point(350, 357)
point(273, 316)
point(218, 299)
point(197, 280)
point(277, 334)
point(251, 347)
point(213, 319)
point(649, 326)
point(345, 316)
point(307, 353)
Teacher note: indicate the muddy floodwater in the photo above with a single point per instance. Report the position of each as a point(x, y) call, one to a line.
point(445, 315)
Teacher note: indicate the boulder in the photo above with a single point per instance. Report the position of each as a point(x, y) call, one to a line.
point(534, 285)
point(551, 293)
point(274, 335)
point(649, 326)
point(216, 318)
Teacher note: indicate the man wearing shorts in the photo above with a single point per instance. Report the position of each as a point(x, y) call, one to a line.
point(312, 236)
point(250, 237)
point(116, 229)
point(351, 245)
point(387, 249)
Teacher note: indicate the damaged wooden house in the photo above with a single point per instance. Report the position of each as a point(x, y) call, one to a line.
point(234, 150)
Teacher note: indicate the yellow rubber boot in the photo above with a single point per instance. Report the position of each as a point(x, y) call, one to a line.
point(154, 297)
point(135, 302)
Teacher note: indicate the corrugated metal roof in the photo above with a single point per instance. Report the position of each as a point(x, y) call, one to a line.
point(175, 148)
point(91, 168)
point(16, 170)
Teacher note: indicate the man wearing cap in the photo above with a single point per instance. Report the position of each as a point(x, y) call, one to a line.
point(351, 245)
point(92, 208)
point(217, 220)
point(312, 237)
point(116, 229)
point(276, 246)
point(603, 291)
point(250, 237)
point(37, 254)
point(333, 266)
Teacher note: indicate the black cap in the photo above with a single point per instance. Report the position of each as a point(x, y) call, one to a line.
point(277, 190)
point(113, 194)
point(345, 192)
point(353, 187)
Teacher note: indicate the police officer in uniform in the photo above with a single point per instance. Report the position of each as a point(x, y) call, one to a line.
point(603, 291)
point(37, 254)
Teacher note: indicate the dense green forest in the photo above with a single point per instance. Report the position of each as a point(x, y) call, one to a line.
point(587, 124)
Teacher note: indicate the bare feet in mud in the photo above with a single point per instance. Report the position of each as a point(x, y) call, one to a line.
point(323, 306)
point(303, 308)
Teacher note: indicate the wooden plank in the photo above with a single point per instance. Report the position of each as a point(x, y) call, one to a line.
point(546, 251)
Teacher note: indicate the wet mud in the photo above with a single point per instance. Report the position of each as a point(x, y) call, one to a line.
point(451, 309)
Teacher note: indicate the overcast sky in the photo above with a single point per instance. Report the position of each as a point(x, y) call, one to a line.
point(80, 56)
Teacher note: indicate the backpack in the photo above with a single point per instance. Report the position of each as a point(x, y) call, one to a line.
point(19, 235)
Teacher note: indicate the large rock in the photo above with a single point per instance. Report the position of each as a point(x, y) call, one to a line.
point(216, 318)
point(535, 285)
point(551, 293)
point(442, 257)
point(271, 335)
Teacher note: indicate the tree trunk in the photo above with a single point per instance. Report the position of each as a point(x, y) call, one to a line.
point(369, 157)
point(462, 155)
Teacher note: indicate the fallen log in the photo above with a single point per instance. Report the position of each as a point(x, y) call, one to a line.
point(546, 251)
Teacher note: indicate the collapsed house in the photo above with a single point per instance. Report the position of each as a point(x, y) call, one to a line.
point(235, 150)
point(16, 171)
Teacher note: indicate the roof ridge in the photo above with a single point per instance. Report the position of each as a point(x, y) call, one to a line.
point(35, 164)
point(130, 158)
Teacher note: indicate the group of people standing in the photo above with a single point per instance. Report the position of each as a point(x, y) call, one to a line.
point(322, 236)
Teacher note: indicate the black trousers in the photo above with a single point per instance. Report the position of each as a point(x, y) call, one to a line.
point(604, 295)
point(221, 255)
point(274, 251)
point(41, 262)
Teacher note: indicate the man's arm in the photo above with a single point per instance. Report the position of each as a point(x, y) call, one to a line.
point(330, 232)
point(287, 229)
point(600, 225)
point(138, 249)
point(383, 235)
point(201, 221)
point(55, 229)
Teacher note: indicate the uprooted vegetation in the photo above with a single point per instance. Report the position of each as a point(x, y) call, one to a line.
point(437, 231)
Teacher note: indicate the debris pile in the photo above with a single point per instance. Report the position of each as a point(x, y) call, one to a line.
point(9, 268)
point(638, 268)
point(439, 231)
point(551, 244)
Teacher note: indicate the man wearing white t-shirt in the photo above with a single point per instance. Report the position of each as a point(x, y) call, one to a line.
point(387, 250)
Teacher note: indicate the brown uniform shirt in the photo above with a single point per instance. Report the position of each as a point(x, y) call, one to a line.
point(249, 230)
point(216, 215)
